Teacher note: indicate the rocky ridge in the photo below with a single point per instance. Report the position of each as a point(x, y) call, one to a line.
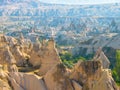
point(86, 75)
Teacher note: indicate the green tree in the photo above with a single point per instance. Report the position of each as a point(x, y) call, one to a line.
point(69, 60)
point(66, 56)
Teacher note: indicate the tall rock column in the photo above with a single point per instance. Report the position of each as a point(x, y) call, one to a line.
point(49, 57)
point(10, 60)
point(100, 56)
point(35, 58)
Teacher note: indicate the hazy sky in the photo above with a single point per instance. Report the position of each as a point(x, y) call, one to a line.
point(80, 1)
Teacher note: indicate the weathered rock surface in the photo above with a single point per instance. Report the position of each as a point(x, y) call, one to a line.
point(49, 57)
point(11, 50)
point(100, 56)
point(57, 79)
point(76, 86)
point(4, 85)
point(9, 60)
point(91, 76)
point(21, 81)
point(86, 75)
point(35, 57)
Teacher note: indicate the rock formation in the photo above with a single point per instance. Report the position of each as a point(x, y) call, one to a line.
point(100, 56)
point(37, 45)
point(10, 45)
point(57, 78)
point(76, 85)
point(35, 49)
point(49, 57)
point(20, 50)
point(3, 43)
point(19, 55)
point(4, 85)
point(52, 74)
point(21, 81)
point(91, 76)
point(3, 80)
point(9, 60)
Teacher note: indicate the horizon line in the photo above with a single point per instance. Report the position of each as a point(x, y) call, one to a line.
point(79, 3)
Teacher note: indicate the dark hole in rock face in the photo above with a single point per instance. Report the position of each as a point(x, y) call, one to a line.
point(27, 62)
point(90, 67)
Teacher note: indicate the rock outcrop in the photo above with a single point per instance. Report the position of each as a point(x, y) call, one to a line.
point(49, 57)
point(57, 78)
point(20, 50)
point(10, 45)
point(52, 74)
point(4, 85)
point(100, 56)
point(35, 57)
point(76, 86)
point(21, 81)
point(91, 76)
point(9, 60)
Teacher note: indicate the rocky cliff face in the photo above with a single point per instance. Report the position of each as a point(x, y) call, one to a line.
point(52, 74)
point(49, 58)
point(91, 76)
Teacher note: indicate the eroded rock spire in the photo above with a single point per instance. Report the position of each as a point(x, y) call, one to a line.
point(100, 56)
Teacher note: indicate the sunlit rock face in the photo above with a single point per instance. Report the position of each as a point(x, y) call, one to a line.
point(3, 43)
point(4, 83)
point(49, 57)
point(10, 60)
point(100, 56)
point(52, 74)
point(91, 76)
point(34, 53)
point(11, 51)
point(57, 78)
point(21, 81)
point(7, 57)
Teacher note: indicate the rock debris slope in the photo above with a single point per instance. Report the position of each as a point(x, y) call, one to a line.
point(52, 74)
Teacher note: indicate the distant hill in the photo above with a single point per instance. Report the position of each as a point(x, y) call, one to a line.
point(90, 20)
point(25, 8)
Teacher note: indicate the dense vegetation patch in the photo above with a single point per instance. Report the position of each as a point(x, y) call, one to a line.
point(69, 60)
point(116, 69)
